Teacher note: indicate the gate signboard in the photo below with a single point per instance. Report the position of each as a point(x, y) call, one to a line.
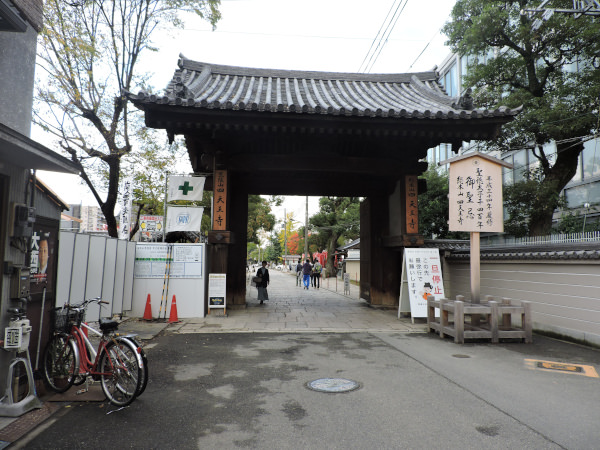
point(421, 277)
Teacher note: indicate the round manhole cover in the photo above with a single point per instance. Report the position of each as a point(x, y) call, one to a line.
point(461, 356)
point(333, 385)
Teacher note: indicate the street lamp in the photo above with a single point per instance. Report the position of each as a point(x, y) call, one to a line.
point(587, 207)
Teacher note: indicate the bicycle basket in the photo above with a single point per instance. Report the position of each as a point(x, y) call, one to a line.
point(65, 318)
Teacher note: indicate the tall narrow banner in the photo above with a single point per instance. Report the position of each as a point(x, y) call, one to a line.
point(184, 218)
point(220, 201)
point(412, 209)
point(185, 188)
point(125, 214)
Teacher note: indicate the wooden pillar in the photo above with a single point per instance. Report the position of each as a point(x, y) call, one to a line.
point(236, 266)
point(227, 239)
point(380, 264)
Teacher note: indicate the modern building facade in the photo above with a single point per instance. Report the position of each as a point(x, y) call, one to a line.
point(583, 191)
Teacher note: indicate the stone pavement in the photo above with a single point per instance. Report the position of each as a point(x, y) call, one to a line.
point(291, 308)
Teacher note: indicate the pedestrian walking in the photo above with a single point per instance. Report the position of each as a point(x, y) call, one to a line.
point(263, 274)
point(306, 271)
point(299, 273)
point(317, 268)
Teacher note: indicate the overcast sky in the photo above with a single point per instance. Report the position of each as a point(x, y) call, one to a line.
point(319, 35)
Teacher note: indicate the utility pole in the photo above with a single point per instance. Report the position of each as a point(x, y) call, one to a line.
point(306, 230)
point(284, 238)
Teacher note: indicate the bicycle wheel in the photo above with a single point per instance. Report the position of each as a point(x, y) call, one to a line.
point(121, 372)
point(144, 377)
point(60, 363)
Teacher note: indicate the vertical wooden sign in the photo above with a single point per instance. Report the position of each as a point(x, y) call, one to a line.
point(412, 209)
point(220, 201)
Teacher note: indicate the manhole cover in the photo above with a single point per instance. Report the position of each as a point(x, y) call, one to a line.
point(458, 355)
point(333, 385)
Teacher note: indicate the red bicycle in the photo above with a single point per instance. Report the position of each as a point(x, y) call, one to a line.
point(69, 358)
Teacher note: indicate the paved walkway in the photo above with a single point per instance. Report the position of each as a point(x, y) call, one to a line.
point(292, 308)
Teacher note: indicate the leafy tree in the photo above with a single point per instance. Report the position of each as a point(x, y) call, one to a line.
point(338, 217)
point(292, 244)
point(552, 71)
point(433, 207)
point(89, 51)
point(260, 216)
point(273, 251)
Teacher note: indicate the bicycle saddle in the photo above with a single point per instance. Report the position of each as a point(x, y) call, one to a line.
point(108, 324)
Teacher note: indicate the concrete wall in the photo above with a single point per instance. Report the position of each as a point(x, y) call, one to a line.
point(353, 268)
point(564, 294)
point(17, 72)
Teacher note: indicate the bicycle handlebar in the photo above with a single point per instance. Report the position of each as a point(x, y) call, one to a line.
point(85, 303)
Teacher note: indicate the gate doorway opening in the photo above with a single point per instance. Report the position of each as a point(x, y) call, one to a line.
point(283, 132)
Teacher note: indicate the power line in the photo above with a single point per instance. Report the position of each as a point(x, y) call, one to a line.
point(423, 51)
point(388, 35)
point(376, 36)
point(383, 39)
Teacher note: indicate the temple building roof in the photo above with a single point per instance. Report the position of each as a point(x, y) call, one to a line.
point(404, 95)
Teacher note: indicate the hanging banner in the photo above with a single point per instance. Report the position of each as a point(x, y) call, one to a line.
point(125, 214)
point(184, 218)
point(185, 188)
point(421, 277)
point(412, 209)
point(220, 201)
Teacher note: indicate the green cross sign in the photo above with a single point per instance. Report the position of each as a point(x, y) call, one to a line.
point(186, 188)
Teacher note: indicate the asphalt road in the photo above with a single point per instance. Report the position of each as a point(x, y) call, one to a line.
point(245, 390)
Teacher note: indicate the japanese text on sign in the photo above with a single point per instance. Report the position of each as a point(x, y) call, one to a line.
point(220, 200)
point(475, 196)
point(424, 277)
point(412, 209)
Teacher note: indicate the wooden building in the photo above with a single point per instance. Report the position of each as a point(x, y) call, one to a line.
point(266, 131)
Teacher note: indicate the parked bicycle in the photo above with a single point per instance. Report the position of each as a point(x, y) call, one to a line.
point(119, 362)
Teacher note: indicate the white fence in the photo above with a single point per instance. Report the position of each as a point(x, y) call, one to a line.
point(95, 266)
point(498, 241)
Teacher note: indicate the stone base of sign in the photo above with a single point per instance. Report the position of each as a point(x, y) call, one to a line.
point(488, 320)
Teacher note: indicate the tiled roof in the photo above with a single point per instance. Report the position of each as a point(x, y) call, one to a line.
point(573, 251)
point(416, 95)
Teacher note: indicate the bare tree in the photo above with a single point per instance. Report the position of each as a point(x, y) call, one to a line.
point(89, 51)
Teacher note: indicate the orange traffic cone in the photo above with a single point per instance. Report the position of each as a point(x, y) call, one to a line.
point(173, 315)
point(148, 311)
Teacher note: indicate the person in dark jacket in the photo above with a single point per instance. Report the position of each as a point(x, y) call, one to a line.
point(263, 272)
point(299, 273)
point(306, 271)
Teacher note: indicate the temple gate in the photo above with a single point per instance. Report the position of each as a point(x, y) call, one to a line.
point(283, 132)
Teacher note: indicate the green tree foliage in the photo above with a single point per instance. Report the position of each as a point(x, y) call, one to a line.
point(273, 251)
point(552, 72)
point(259, 216)
point(522, 207)
point(433, 207)
point(337, 217)
point(89, 52)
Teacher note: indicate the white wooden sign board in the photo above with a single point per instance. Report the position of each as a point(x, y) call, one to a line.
point(421, 277)
point(475, 197)
point(217, 291)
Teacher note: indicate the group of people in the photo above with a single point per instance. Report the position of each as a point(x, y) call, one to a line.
point(310, 273)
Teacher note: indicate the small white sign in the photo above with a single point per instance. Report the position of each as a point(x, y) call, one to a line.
point(217, 290)
point(421, 277)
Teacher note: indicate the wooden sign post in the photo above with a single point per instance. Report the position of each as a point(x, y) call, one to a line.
point(475, 203)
